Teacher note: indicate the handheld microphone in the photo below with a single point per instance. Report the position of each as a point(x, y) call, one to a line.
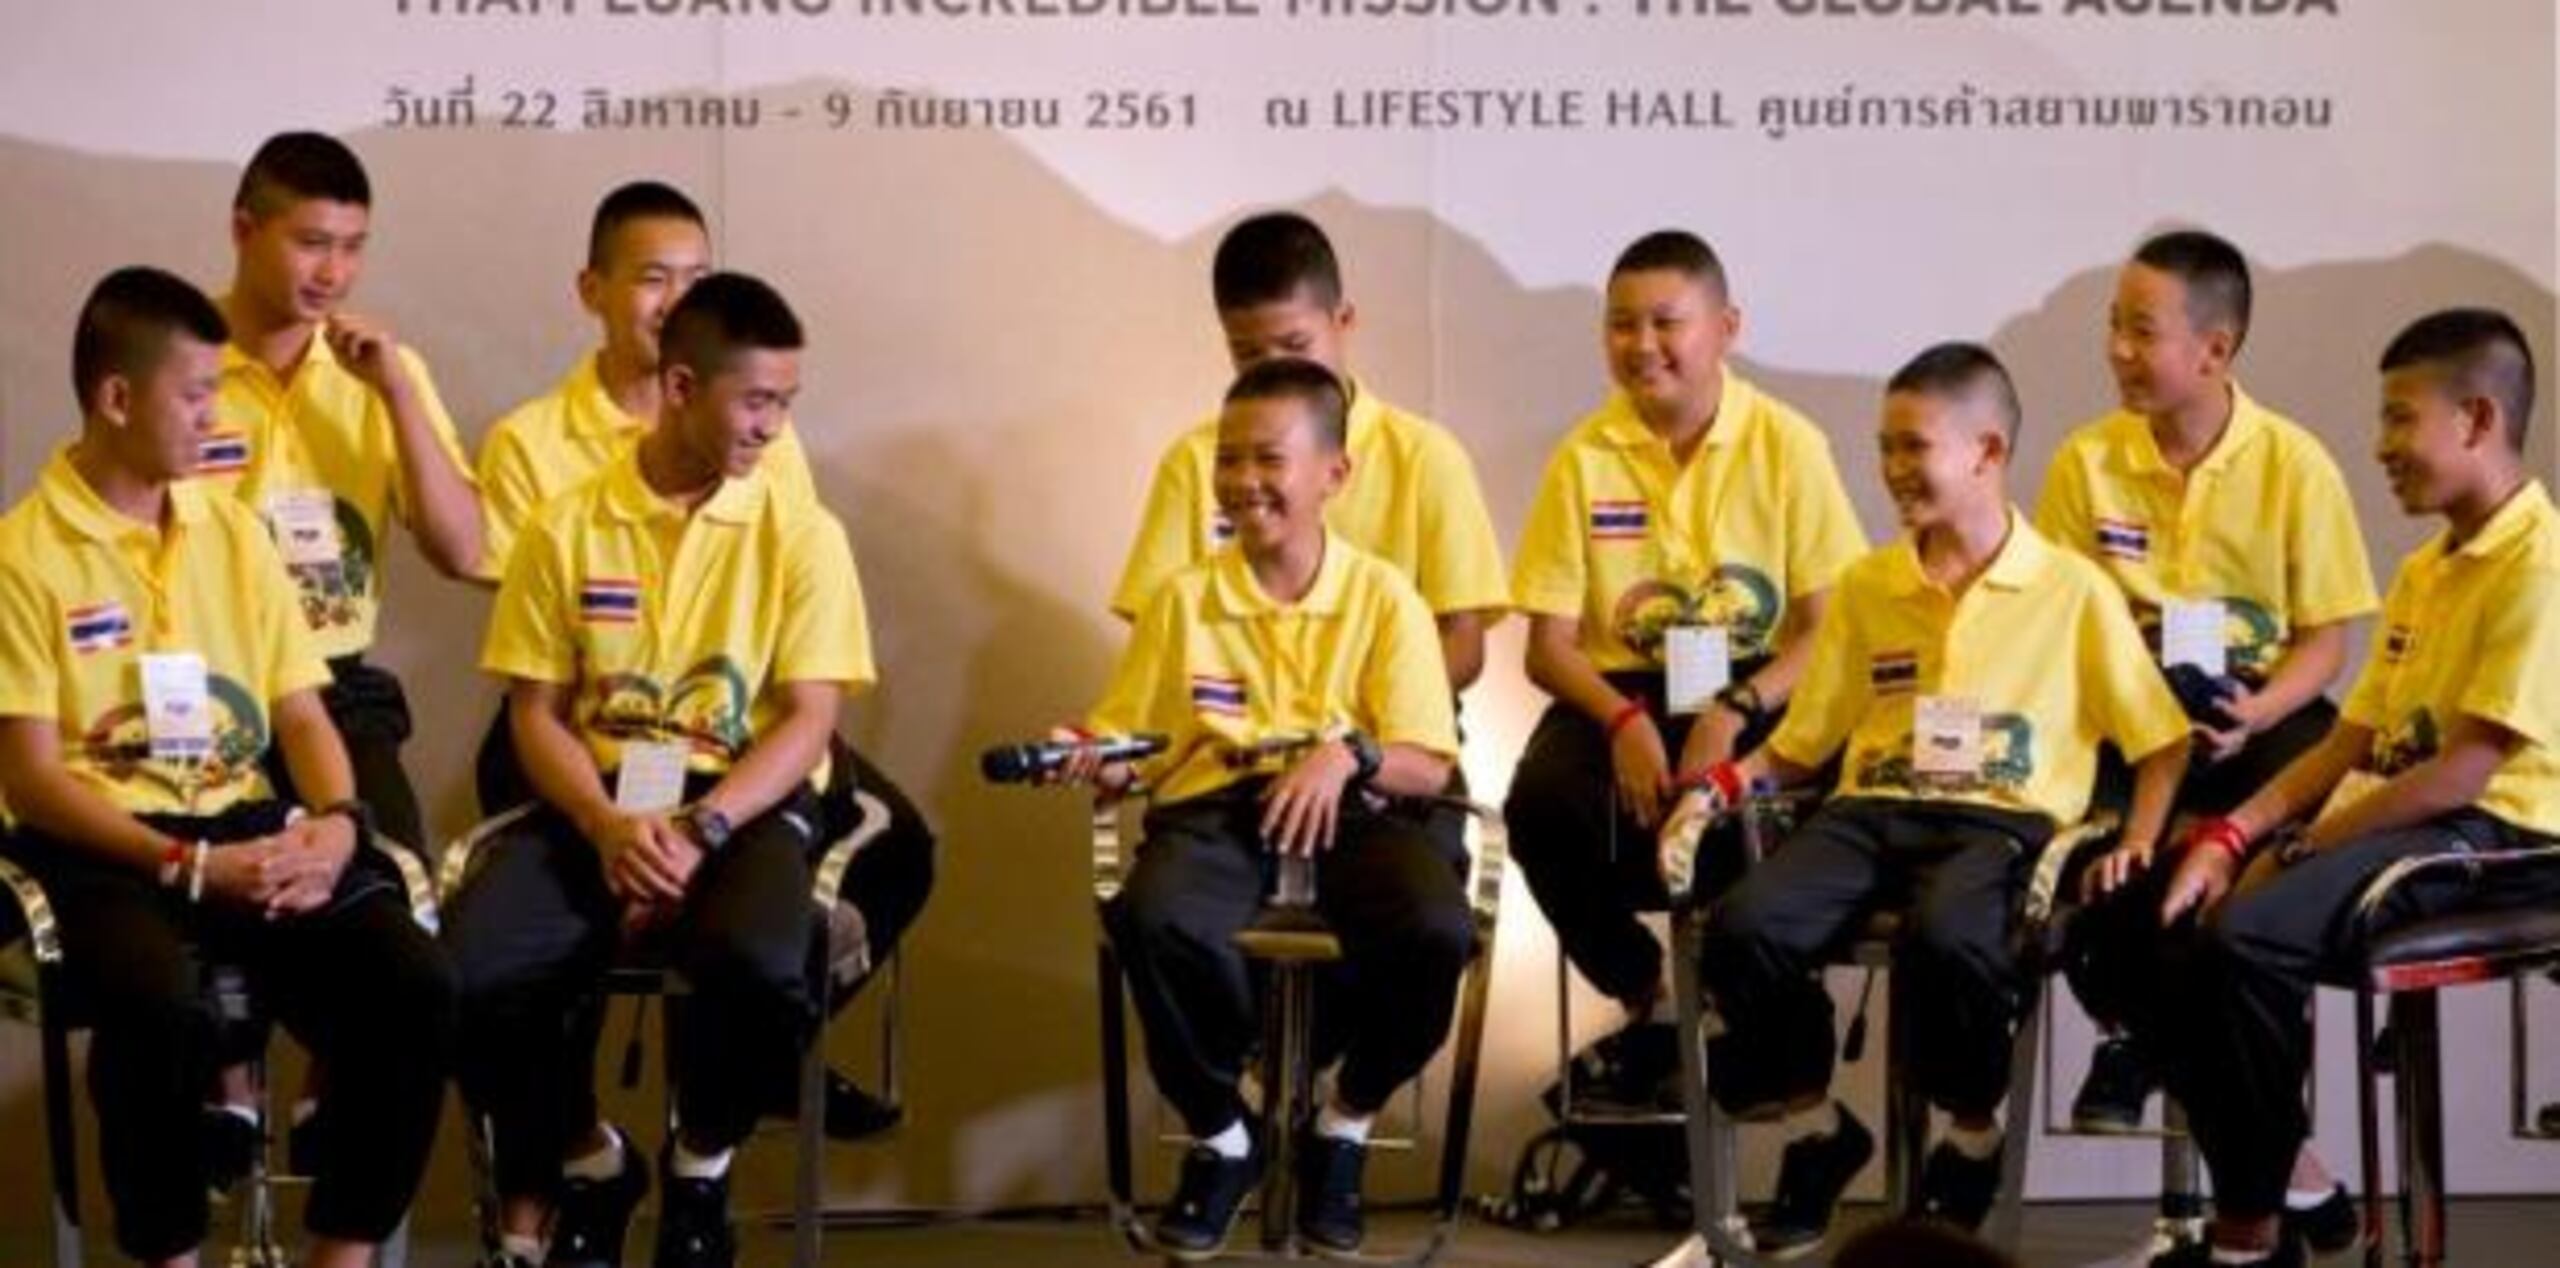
point(1022, 763)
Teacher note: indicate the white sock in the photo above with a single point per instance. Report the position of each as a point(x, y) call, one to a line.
point(524, 1246)
point(1234, 1144)
point(1333, 1124)
point(1979, 1144)
point(303, 1110)
point(2225, 1255)
point(601, 1164)
point(1821, 1120)
point(245, 1113)
point(2305, 1199)
point(693, 1166)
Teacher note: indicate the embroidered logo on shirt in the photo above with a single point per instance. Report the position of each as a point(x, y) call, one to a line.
point(2124, 540)
point(609, 601)
point(98, 627)
point(1211, 693)
point(1618, 520)
point(1890, 672)
point(221, 453)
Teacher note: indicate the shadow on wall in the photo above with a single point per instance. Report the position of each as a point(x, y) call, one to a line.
point(997, 366)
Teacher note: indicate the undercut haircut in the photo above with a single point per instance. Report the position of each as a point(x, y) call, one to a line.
point(2472, 352)
point(1311, 385)
point(2215, 274)
point(293, 167)
point(723, 315)
point(127, 322)
point(639, 200)
point(1963, 372)
point(1270, 258)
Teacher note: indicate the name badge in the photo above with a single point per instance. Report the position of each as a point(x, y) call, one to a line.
point(2191, 633)
point(305, 522)
point(1946, 738)
point(1698, 663)
point(177, 710)
point(651, 780)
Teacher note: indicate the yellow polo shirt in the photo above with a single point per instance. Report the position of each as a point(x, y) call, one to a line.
point(1629, 541)
point(2041, 648)
point(1412, 500)
point(1216, 665)
point(555, 442)
point(2263, 523)
point(85, 592)
point(677, 628)
point(323, 435)
point(2475, 630)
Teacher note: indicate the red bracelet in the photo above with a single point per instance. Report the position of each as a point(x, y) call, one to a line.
point(1724, 777)
point(1628, 712)
point(2222, 834)
point(173, 862)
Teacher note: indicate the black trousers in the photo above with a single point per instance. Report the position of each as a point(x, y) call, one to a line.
point(1956, 871)
point(2238, 1045)
point(1394, 897)
point(2118, 965)
point(889, 880)
point(1589, 864)
point(357, 982)
point(533, 930)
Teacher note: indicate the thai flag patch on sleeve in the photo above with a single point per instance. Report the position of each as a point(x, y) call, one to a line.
point(609, 601)
point(1618, 520)
point(2123, 539)
point(1211, 693)
point(98, 627)
point(1889, 672)
point(221, 453)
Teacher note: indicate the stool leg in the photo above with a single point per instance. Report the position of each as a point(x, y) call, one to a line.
point(1285, 1088)
point(1117, 1165)
point(1906, 1115)
point(2008, 1209)
point(2181, 1218)
point(62, 1146)
point(2416, 1076)
point(1714, 1205)
point(2369, 1129)
point(812, 1137)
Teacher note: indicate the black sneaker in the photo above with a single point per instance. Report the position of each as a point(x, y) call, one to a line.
point(229, 1145)
point(1329, 1216)
point(1812, 1175)
point(1958, 1188)
point(693, 1224)
point(2120, 1085)
point(2547, 1122)
point(588, 1227)
point(1194, 1225)
point(2332, 1227)
point(853, 1113)
point(2287, 1254)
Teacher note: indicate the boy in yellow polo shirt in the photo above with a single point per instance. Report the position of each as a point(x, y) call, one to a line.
point(1411, 498)
point(1674, 567)
point(2449, 741)
point(646, 244)
point(1295, 632)
point(1964, 677)
point(2229, 528)
point(677, 638)
point(327, 425)
point(152, 660)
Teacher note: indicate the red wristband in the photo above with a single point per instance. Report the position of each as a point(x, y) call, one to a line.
point(173, 862)
point(1628, 712)
point(2221, 834)
point(1724, 777)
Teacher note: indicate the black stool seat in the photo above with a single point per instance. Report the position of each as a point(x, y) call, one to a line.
point(2473, 946)
point(1289, 935)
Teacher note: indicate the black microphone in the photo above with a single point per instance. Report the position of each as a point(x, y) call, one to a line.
point(1021, 763)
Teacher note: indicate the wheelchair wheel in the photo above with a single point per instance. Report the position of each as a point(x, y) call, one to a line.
point(1558, 1183)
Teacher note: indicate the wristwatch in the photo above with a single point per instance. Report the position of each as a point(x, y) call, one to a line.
point(708, 826)
point(1366, 756)
point(1744, 699)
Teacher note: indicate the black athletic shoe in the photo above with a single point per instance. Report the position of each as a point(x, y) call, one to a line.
point(853, 1113)
point(2287, 1254)
point(2547, 1121)
point(2334, 1227)
point(588, 1227)
point(1329, 1215)
point(2119, 1087)
point(1957, 1188)
point(1194, 1225)
point(229, 1146)
point(1812, 1175)
point(693, 1224)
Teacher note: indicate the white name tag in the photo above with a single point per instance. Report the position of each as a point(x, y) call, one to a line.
point(305, 522)
point(2191, 633)
point(177, 710)
point(1697, 663)
point(651, 780)
point(1946, 737)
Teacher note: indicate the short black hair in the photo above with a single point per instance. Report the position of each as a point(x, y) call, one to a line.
point(1961, 371)
point(1675, 251)
point(292, 167)
point(638, 200)
point(2477, 352)
point(1269, 258)
point(125, 325)
point(2214, 272)
point(722, 314)
point(1296, 379)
